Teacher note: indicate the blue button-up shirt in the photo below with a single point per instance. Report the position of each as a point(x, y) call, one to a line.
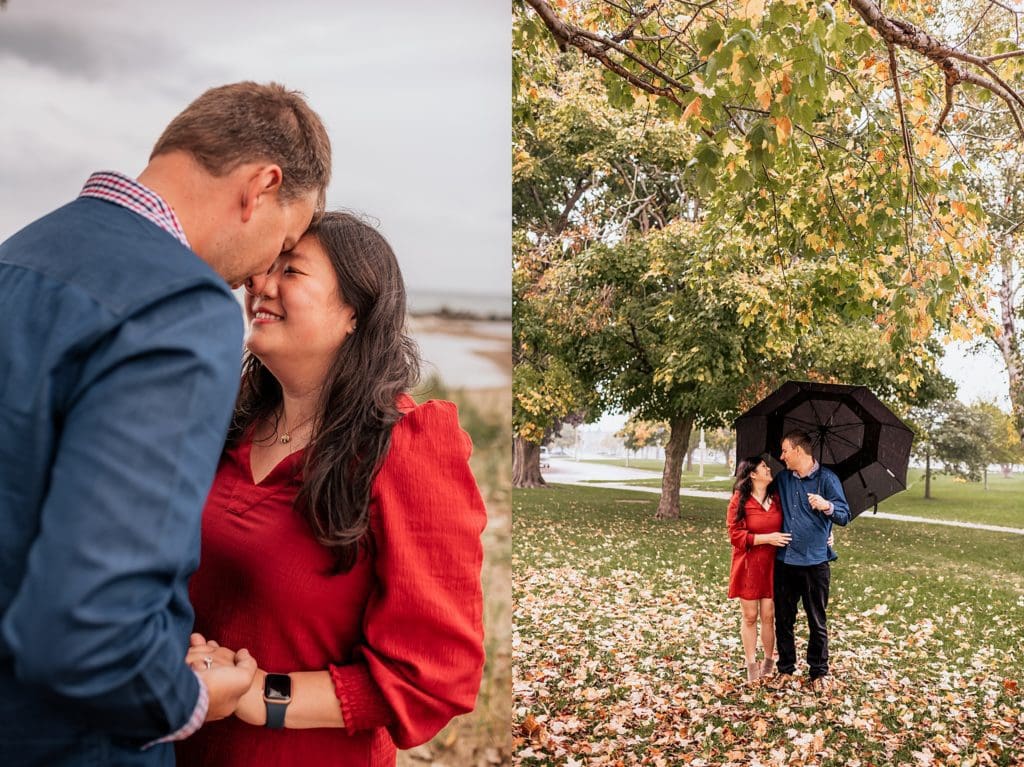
point(810, 529)
point(119, 363)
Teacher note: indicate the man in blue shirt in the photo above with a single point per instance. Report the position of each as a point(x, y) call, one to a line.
point(119, 365)
point(812, 500)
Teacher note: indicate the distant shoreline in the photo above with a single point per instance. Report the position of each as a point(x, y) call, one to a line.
point(444, 313)
point(465, 353)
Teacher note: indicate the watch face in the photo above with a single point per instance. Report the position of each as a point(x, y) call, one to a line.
point(278, 687)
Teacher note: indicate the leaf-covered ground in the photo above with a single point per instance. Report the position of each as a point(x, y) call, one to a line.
point(626, 649)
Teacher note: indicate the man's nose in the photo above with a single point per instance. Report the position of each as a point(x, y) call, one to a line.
point(258, 285)
point(254, 285)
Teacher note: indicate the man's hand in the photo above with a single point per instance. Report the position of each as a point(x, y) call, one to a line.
point(228, 675)
point(818, 503)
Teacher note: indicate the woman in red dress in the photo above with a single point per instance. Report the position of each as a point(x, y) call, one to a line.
point(341, 538)
point(755, 523)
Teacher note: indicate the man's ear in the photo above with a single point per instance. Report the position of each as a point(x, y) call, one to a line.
point(263, 179)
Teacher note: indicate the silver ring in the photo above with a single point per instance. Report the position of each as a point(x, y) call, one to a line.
point(209, 662)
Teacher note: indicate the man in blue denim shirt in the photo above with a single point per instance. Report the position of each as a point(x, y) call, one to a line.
point(812, 500)
point(119, 363)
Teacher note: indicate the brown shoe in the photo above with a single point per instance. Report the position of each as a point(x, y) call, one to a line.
point(753, 672)
point(822, 684)
point(781, 681)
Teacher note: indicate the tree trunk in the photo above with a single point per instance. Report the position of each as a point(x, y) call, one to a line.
point(984, 473)
point(928, 474)
point(1009, 342)
point(675, 452)
point(526, 464)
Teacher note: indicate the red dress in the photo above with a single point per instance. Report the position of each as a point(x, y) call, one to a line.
point(401, 633)
point(753, 567)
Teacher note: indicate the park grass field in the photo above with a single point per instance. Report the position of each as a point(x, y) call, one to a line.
point(626, 649)
point(952, 498)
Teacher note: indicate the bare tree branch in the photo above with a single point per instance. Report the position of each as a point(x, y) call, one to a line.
point(896, 32)
point(567, 34)
point(946, 109)
point(907, 146)
point(1001, 56)
point(636, 22)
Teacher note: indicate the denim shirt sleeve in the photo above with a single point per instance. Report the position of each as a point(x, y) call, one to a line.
point(834, 493)
point(101, 618)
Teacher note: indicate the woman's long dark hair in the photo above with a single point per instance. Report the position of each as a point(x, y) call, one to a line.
point(744, 484)
point(358, 404)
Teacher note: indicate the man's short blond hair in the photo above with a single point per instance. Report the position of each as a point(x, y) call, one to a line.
point(252, 122)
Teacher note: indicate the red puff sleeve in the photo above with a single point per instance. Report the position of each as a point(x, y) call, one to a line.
point(741, 538)
point(423, 655)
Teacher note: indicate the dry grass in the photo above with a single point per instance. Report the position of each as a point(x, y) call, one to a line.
point(483, 737)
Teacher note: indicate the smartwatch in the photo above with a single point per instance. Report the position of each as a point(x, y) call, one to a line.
point(277, 694)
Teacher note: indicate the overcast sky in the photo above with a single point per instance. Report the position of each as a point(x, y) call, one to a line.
point(978, 371)
point(416, 96)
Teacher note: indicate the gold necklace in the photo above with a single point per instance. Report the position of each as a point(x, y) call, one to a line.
point(286, 436)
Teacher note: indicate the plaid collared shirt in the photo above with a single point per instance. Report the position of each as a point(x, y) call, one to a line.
point(128, 193)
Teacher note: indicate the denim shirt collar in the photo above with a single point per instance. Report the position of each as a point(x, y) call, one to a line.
point(814, 468)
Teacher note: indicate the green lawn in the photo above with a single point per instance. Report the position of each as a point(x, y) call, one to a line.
point(717, 476)
point(1001, 504)
point(953, 499)
point(625, 646)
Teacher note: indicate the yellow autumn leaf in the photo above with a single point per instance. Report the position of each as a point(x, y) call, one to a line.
point(692, 109)
point(735, 70)
point(763, 94)
point(753, 10)
point(783, 128)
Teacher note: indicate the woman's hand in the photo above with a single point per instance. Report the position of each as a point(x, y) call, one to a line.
point(831, 540)
point(251, 707)
point(227, 674)
point(777, 539)
point(203, 655)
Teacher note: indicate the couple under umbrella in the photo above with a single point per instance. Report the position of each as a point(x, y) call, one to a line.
point(816, 455)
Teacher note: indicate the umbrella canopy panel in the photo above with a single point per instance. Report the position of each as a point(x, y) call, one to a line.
point(851, 432)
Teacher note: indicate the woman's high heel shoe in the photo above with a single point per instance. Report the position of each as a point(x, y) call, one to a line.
point(767, 666)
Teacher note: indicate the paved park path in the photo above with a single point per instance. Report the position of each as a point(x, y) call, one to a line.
point(584, 474)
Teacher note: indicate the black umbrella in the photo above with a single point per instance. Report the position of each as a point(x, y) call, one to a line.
point(852, 433)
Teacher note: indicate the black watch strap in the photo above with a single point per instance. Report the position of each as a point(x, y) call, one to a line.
point(277, 694)
point(275, 715)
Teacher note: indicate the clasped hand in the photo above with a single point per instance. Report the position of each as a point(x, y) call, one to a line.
point(234, 682)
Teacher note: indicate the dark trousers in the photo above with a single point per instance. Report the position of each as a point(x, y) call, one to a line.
point(808, 585)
